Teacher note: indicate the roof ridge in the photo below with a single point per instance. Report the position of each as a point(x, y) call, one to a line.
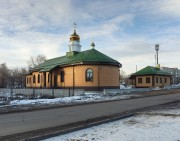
point(152, 69)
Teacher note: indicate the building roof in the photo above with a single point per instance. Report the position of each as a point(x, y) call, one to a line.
point(149, 70)
point(91, 56)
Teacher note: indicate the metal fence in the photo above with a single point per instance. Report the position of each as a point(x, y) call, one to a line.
point(134, 90)
point(36, 93)
point(123, 91)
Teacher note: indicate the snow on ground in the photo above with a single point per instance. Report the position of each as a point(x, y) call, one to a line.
point(177, 85)
point(166, 111)
point(125, 87)
point(4, 94)
point(72, 99)
point(142, 127)
point(157, 89)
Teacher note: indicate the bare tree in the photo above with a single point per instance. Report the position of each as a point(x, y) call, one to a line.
point(34, 61)
point(13, 75)
point(13, 78)
point(17, 78)
point(4, 73)
point(21, 79)
point(122, 75)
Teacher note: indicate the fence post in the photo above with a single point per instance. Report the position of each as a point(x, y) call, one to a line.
point(104, 91)
point(69, 92)
point(34, 95)
point(11, 95)
point(52, 92)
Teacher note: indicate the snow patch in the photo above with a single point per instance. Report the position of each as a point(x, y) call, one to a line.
point(125, 87)
point(138, 128)
point(68, 100)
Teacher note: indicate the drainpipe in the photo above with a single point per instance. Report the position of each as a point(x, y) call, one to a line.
point(50, 80)
point(73, 80)
point(99, 68)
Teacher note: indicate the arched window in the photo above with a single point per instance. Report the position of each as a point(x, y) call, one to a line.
point(27, 80)
point(34, 79)
point(48, 77)
point(38, 78)
point(89, 75)
point(62, 76)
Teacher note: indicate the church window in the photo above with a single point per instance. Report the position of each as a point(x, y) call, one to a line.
point(38, 78)
point(139, 80)
point(34, 79)
point(62, 76)
point(148, 80)
point(156, 79)
point(89, 75)
point(48, 78)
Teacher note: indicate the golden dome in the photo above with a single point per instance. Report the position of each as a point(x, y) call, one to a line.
point(74, 36)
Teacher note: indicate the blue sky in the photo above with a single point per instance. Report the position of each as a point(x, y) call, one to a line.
point(125, 30)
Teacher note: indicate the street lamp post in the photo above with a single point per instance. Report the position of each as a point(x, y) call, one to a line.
point(157, 48)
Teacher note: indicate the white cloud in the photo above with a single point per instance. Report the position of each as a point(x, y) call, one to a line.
point(34, 27)
point(24, 29)
point(18, 49)
point(107, 28)
point(170, 7)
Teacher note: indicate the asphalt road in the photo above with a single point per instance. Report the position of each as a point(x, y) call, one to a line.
point(28, 121)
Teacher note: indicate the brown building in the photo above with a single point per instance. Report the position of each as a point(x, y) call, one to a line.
point(89, 70)
point(151, 77)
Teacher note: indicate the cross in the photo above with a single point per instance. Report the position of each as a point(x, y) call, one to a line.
point(75, 26)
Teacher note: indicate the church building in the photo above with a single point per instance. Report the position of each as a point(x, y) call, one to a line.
point(88, 70)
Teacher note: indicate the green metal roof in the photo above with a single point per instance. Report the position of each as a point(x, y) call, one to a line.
point(48, 68)
point(149, 70)
point(91, 56)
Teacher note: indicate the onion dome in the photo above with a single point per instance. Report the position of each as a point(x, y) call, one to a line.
point(74, 36)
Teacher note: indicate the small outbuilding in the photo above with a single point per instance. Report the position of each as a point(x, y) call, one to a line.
point(150, 77)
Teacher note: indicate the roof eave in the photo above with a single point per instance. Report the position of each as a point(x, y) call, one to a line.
point(91, 63)
point(149, 74)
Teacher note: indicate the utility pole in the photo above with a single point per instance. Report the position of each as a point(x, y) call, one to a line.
point(157, 48)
